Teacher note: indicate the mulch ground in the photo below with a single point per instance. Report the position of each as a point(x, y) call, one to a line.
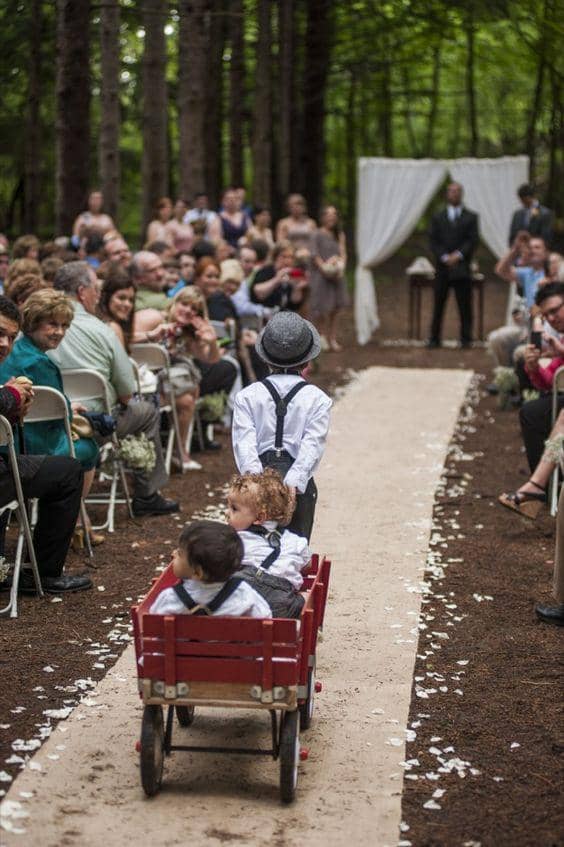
point(490, 746)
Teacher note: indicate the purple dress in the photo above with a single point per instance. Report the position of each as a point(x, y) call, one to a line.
point(327, 294)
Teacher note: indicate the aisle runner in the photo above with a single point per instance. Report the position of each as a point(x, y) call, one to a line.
point(386, 450)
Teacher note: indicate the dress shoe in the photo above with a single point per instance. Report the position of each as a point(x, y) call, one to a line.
point(209, 444)
point(154, 505)
point(551, 614)
point(433, 344)
point(465, 345)
point(492, 389)
point(50, 584)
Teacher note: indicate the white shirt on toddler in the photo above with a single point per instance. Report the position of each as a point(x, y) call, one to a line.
point(305, 427)
point(243, 603)
point(294, 553)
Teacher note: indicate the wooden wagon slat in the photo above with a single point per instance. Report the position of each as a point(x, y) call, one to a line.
point(224, 629)
point(220, 649)
point(221, 670)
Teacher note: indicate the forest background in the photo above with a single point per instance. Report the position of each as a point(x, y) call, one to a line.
point(145, 98)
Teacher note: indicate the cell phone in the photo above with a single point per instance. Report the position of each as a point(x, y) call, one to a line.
point(536, 339)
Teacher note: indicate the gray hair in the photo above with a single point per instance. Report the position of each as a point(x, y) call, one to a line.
point(140, 262)
point(71, 276)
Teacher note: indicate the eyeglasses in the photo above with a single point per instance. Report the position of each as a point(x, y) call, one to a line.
point(551, 313)
point(154, 268)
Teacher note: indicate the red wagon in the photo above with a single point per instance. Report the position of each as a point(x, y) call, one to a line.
point(185, 661)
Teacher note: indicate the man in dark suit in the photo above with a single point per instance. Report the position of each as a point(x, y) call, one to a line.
point(453, 238)
point(532, 217)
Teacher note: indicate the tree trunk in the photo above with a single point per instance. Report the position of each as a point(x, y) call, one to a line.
point(287, 99)
point(410, 131)
point(73, 111)
point(386, 107)
point(192, 84)
point(351, 146)
point(435, 86)
point(154, 166)
point(319, 34)
point(236, 92)
point(262, 136)
point(32, 151)
point(553, 187)
point(213, 111)
point(108, 152)
point(470, 86)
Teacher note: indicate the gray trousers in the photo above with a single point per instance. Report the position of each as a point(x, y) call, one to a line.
point(558, 579)
point(142, 417)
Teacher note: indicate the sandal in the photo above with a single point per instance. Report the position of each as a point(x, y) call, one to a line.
point(525, 503)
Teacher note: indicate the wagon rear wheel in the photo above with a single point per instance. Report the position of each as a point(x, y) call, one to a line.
point(185, 715)
point(152, 749)
point(306, 709)
point(289, 755)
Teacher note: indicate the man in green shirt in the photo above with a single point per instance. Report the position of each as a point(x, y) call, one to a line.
point(148, 274)
point(90, 343)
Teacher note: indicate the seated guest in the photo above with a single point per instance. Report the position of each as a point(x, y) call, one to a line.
point(275, 286)
point(23, 287)
point(208, 280)
point(259, 507)
point(180, 233)
point(89, 343)
point(55, 480)
point(21, 267)
point(93, 217)
point(261, 228)
point(26, 247)
point(535, 416)
point(187, 264)
point(206, 561)
point(49, 267)
point(4, 262)
point(117, 299)
point(94, 249)
point(46, 316)
point(148, 276)
point(505, 340)
point(116, 250)
point(163, 249)
point(201, 213)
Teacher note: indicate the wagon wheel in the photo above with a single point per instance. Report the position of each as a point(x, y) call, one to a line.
point(185, 715)
point(289, 755)
point(152, 749)
point(306, 709)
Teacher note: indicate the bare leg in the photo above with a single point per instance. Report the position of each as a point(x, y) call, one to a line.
point(541, 474)
point(185, 410)
point(332, 331)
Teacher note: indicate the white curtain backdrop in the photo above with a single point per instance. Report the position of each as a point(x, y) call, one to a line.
point(392, 196)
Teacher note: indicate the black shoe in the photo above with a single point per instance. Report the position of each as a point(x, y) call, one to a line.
point(492, 389)
point(466, 344)
point(433, 344)
point(154, 505)
point(208, 445)
point(551, 614)
point(50, 584)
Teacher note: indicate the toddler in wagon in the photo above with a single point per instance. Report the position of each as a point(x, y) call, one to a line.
point(208, 556)
point(259, 507)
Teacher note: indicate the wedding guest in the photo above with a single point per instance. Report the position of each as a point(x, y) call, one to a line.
point(234, 221)
point(148, 275)
point(201, 212)
point(276, 285)
point(180, 232)
point(327, 281)
point(116, 249)
point(26, 247)
point(297, 227)
point(262, 227)
point(531, 217)
point(93, 217)
point(157, 229)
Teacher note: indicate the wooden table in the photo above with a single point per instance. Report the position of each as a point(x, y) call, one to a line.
point(418, 282)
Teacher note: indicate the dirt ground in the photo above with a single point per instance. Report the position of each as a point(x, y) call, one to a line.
point(511, 690)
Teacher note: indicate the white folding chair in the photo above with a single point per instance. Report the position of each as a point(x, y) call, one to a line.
point(86, 386)
point(18, 508)
point(50, 405)
point(557, 387)
point(157, 359)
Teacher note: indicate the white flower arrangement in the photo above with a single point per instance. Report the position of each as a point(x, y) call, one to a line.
point(138, 452)
point(553, 449)
point(4, 569)
point(507, 383)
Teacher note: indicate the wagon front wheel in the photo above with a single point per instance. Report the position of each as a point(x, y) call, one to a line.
point(306, 709)
point(185, 715)
point(289, 755)
point(152, 749)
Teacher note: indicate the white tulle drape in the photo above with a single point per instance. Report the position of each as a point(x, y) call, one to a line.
point(394, 193)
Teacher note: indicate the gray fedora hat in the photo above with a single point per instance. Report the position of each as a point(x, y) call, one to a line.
point(288, 341)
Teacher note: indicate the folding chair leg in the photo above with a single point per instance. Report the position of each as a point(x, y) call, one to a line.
point(84, 518)
point(126, 493)
point(168, 452)
point(554, 491)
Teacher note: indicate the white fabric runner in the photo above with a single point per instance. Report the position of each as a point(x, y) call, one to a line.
point(392, 196)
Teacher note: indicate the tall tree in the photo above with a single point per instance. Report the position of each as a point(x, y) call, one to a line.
point(262, 135)
point(108, 150)
point(236, 91)
point(154, 167)
point(73, 110)
point(192, 67)
point(32, 153)
point(213, 110)
point(318, 39)
point(470, 81)
point(286, 97)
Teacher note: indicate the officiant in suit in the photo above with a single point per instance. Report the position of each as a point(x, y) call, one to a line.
point(453, 238)
point(531, 217)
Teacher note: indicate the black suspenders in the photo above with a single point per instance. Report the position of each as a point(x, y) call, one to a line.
point(273, 536)
point(282, 404)
point(208, 608)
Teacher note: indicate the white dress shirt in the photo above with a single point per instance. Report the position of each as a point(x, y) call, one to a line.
point(305, 427)
point(243, 303)
point(293, 557)
point(243, 603)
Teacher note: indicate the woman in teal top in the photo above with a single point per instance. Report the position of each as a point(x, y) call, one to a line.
point(46, 317)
